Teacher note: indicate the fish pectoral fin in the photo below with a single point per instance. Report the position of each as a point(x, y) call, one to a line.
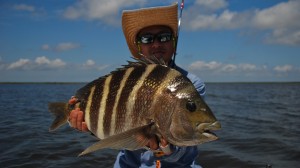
point(131, 140)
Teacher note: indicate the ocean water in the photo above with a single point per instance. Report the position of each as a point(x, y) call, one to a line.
point(260, 128)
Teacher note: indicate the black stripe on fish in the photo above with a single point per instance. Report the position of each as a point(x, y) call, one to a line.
point(122, 111)
point(111, 99)
point(95, 105)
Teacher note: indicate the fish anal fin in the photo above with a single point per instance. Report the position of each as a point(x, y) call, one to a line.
point(131, 140)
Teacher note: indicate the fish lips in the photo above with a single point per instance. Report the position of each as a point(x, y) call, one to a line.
point(206, 128)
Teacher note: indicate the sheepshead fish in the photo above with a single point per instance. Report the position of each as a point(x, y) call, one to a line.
point(139, 100)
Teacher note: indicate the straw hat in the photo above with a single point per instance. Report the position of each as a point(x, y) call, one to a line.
point(135, 20)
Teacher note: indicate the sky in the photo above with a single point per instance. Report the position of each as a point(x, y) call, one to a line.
point(81, 40)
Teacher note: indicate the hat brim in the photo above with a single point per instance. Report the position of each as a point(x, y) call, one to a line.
point(133, 21)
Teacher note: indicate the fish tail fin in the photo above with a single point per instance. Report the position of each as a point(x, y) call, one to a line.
point(61, 113)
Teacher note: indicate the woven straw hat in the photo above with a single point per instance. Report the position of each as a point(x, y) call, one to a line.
point(135, 20)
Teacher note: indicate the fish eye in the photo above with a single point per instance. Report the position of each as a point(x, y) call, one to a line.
point(191, 106)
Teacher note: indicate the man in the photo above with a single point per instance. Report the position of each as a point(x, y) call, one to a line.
point(152, 32)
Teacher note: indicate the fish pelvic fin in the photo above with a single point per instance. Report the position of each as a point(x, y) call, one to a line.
point(61, 113)
point(131, 140)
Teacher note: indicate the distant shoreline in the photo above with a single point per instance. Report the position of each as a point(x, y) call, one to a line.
point(287, 82)
point(43, 82)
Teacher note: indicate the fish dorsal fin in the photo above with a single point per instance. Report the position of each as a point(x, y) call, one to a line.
point(131, 140)
point(143, 61)
point(146, 61)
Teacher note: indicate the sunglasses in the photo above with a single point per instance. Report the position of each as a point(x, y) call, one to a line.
point(149, 38)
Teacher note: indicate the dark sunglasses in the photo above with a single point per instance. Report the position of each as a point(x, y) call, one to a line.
point(149, 38)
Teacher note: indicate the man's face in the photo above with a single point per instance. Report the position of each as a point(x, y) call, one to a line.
point(161, 46)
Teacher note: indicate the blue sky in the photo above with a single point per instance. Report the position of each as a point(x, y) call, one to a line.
point(219, 41)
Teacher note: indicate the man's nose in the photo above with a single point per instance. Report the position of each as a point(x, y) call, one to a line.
point(156, 43)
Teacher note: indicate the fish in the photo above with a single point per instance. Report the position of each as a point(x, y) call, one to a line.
point(141, 99)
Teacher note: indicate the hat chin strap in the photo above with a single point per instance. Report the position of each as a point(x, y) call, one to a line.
point(141, 54)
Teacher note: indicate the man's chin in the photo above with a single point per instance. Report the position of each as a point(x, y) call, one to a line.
point(158, 55)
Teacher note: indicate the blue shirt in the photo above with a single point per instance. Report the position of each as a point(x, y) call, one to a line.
point(181, 156)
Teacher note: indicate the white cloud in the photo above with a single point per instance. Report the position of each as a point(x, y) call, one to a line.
point(279, 16)
point(212, 4)
point(201, 65)
point(45, 47)
point(280, 20)
point(66, 46)
point(102, 67)
point(104, 10)
point(220, 71)
point(225, 20)
point(89, 63)
point(56, 63)
point(40, 63)
point(284, 68)
point(42, 60)
point(283, 36)
point(214, 71)
point(44, 63)
point(24, 7)
point(37, 13)
point(248, 67)
point(229, 68)
point(20, 64)
point(219, 67)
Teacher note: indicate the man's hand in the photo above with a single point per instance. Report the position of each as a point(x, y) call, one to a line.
point(76, 120)
point(154, 145)
point(76, 117)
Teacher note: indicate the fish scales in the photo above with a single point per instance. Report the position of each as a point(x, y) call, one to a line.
point(121, 109)
point(151, 84)
point(118, 108)
point(171, 80)
point(133, 103)
point(114, 125)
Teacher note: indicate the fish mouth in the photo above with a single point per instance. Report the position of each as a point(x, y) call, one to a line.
point(206, 128)
point(210, 135)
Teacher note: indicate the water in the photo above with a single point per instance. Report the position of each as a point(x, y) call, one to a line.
point(260, 126)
